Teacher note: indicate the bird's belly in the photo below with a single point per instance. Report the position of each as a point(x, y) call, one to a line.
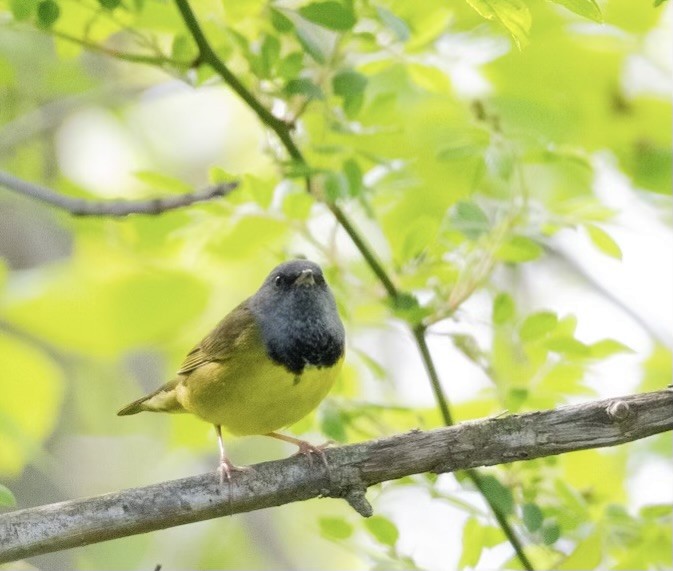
point(257, 399)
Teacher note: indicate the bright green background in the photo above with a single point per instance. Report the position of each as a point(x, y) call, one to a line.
point(453, 188)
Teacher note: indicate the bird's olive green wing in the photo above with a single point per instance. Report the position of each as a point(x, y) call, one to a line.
point(221, 343)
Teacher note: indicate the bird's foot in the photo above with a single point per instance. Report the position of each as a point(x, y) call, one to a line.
point(226, 468)
point(307, 449)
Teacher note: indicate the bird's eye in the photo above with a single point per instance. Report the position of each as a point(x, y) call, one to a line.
point(278, 281)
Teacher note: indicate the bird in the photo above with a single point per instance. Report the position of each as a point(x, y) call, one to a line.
point(266, 365)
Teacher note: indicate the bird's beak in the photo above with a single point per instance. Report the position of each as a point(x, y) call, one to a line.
point(305, 278)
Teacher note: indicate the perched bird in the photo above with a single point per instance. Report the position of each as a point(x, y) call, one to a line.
point(265, 366)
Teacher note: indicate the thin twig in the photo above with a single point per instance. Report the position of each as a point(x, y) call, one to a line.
point(440, 397)
point(366, 251)
point(608, 422)
point(116, 208)
point(159, 60)
point(472, 474)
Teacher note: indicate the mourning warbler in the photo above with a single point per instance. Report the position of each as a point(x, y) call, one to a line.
point(265, 366)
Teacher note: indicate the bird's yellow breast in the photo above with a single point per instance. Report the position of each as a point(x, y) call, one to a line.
point(251, 394)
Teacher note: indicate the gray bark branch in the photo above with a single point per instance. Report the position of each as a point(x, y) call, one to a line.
point(609, 422)
point(114, 208)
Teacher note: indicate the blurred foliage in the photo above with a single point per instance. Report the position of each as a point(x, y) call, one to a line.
point(461, 137)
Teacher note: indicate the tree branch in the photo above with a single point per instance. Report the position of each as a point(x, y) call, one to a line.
point(609, 422)
point(117, 208)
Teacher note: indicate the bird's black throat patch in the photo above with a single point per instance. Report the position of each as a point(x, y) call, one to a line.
point(300, 327)
point(295, 354)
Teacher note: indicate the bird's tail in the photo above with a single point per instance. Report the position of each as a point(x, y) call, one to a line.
point(163, 399)
point(134, 408)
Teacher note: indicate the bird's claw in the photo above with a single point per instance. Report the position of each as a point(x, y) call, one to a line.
point(307, 449)
point(226, 468)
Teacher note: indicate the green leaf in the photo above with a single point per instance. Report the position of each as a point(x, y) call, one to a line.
point(351, 86)
point(291, 65)
point(312, 41)
point(335, 528)
point(497, 494)
point(297, 169)
point(583, 209)
point(532, 517)
point(503, 308)
point(347, 83)
point(551, 531)
point(513, 15)
point(375, 368)
point(604, 242)
point(217, 175)
point(47, 13)
point(564, 378)
point(383, 530)
point(398, 26)
point(406, 307)
point(493, 535)
point(280, 21)
point(464, 144)
point(459, 151)
point(269, 54)
point(7, 498)
point(569, 346)
point(538, 325)
point(353, 104)
point(519, 249)
point(22, 9)
point(608, 347)
point(586, 555)
point(586, 8)
point(109, 4)
point(183, 49)
point(468, 346)
point(652, 168)
point(417, 237)
point(336, 186)
point(331, 15)
point(305, 87)
point(261, 190)
point(473, 543)
point(429, 78)
point(656, 511)
point(353, 175)
point(470, 219)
